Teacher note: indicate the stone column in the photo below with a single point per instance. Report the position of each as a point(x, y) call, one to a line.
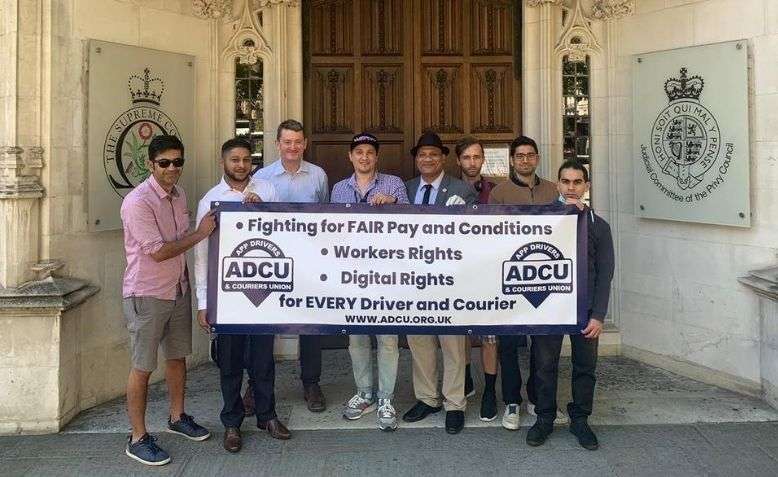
point(764, 283)
point(38, 384)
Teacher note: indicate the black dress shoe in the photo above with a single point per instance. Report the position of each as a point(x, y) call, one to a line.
point(419, 411)
point(232, 439)
point(586, 437)
point(455, 421)
point(315, 398)
point(539, 432)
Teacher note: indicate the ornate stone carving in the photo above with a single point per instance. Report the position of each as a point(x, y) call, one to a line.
point(537, 3)
point(577, 39)
point(612, 9)
point(248, 44)
point(19, 174)
point(212, 9)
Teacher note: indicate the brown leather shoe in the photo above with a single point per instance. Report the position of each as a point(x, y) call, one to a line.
point(315, 398)
point(275, 428)
point(232, 440)
point(248, 402)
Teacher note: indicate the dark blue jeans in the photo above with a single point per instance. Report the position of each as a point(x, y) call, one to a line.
point(511, 373)
point(584, 360)
point(255, 354)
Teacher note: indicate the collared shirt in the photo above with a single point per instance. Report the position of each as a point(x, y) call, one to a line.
point(224, 193)
point(433, 193)
point(308, 184)
point(347, 191)
point(151, 217)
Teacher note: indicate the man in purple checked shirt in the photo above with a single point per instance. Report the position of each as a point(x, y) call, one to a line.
point(369, 186)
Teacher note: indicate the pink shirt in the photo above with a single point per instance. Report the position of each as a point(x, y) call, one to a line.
point(152, 217)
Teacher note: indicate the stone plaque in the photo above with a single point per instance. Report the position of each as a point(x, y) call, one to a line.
point(690, 121)
point(496, 161)
point(134, 94)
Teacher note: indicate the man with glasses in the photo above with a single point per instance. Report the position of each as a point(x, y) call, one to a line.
point(368, 186)
point(297, 180)
point(235, 352)
point(156, 294)
point(435, 187)
point(523, 188)
point(470, 158)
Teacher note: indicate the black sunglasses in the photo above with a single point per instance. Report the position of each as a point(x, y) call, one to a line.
point(165, 163)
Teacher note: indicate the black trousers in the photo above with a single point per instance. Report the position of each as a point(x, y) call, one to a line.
point(584, 361)
point(255, 354)
point(511, 373)
point(310, 359)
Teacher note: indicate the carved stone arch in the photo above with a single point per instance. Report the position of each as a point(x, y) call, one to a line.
point(248, 42)
point(577, 39)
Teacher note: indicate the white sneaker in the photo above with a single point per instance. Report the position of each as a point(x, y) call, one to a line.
point(510, 420)
point(561, 416)
point(358, 406)
point(387, 416)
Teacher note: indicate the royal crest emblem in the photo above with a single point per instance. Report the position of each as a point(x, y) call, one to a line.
point(126, 144)
point(685, 137)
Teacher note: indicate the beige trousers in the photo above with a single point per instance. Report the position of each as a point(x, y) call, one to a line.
point(425, 370)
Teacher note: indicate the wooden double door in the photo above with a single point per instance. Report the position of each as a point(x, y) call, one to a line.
point(396, 68)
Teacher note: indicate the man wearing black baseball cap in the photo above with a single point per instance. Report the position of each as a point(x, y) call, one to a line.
point(369, 186)
point(435, 187)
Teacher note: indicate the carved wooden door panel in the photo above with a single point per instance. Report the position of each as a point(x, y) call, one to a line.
point(359, 77)
point(396, 68)
point(466, 82)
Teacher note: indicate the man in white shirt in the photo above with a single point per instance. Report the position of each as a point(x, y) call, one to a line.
point(297, 180)
point(236, 352)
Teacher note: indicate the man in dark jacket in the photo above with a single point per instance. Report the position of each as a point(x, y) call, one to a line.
point(573, 183)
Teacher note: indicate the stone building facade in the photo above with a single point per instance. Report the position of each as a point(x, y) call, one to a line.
point(677, 300)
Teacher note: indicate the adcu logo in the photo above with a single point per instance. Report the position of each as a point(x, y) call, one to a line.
point(535, 271)
point(257, 268)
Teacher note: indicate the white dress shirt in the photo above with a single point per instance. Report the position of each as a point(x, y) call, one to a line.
point(433, 193)
point(308, 184)
point(224, 193)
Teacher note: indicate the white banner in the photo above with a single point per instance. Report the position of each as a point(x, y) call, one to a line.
point(441, 270)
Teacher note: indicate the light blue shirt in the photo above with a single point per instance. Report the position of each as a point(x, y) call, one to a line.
point(308, 184)
point(433, 193)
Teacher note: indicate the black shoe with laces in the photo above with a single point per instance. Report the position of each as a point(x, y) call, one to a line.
point(187, 427)
point(586, 437)
point(539, 432)
point(488, 407)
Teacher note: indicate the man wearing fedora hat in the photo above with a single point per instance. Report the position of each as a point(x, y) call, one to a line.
point(435, 187)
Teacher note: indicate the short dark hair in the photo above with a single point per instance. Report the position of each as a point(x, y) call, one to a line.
point(466, 142)
point(573, 164)
point(162, 143)
point(523, 141)
point(291, 125)
point(233, 143)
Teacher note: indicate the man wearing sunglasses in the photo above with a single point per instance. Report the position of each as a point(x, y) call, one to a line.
point(156, 294)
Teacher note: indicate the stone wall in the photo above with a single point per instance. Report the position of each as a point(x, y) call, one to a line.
point(97, 341)
point(680, 301)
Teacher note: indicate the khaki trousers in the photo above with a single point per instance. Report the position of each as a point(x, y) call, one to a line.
point(425, 370)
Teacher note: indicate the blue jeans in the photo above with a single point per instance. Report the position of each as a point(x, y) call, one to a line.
point(360, 350)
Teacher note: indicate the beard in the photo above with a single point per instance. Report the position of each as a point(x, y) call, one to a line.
point(237, 179)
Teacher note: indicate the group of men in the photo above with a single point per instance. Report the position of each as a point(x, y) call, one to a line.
point(157, 297)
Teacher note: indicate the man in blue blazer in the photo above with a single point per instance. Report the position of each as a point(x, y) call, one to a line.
point(435, 187)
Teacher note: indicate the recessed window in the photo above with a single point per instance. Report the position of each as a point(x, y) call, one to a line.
point(249, 107)
point(576, 115)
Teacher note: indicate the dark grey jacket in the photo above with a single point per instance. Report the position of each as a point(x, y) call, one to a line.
point(601, 264)
point(449, 186)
